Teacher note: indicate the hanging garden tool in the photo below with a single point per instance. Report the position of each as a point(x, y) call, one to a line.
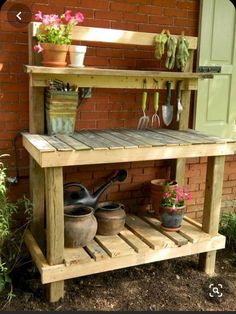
point(171, 44)
point(144, 120)
point(155, 117)
point(182, 53)
point(167, 109)
point(178, 95)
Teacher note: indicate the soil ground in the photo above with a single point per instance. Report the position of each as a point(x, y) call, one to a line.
point(174, 285)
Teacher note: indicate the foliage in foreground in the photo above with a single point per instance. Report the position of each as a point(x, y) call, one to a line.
point(11, 237)
point(228, 228)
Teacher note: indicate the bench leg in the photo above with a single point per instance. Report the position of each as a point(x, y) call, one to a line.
point(55, 226)
point(212, 205)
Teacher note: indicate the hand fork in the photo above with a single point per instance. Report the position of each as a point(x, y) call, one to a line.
point(144, 120)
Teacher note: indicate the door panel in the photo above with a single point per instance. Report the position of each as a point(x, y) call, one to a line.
point(215, 108)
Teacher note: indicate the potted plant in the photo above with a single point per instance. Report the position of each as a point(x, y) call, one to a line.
point(53, 36)
point(172, 207)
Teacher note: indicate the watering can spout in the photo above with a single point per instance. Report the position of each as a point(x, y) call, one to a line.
point(83, 197)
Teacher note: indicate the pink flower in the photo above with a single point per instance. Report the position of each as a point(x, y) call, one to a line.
point(38, 48)
point(67, 16)
point(166, 195)
point(79, 17)
point(38, 16)
point(187, 196)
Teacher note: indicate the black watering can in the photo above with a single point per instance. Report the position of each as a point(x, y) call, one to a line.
point(81, 196)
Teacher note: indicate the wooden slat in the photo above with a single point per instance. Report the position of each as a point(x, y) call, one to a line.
point(76, 145)
point(216, 139)
point(191, 138)
point(39, 143)
point(175, 136)
point(55, 142)
point(130, 139)
point(193, 222)
point(120, 138)
point(75, 256)
point(88, 141)
point(96, 251)
point(129, 237)
point(164, 137)
point(192, 233)
point(139, 135)
point(108, 140)
point(174, 236)
point(126, 135)
point(114, 245)
point(150, 236)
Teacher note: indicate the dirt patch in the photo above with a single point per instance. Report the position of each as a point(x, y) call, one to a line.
point(169, 285)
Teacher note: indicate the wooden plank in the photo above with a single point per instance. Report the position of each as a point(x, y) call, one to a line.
point(216, 139)
point(114, 245)
point(121, 138)
point(59, 272)
point(133, 241)
point(126, 135)
point(212, 205)
point(89, 141)
point(96, 251)
point(37, 195)
point(128, 155)
point(176, 135)
point(109, 141)
point(164, 137)
point(195, 138)
point(75, 256)
point(36, 105)
point(54, 215)
point(39, 142)
point(104, 142)
point(138, 135)
point(55, 142)
point(193, 233)
point(174, 236)
point(107, 35)
point(193, 222)
point(76, 145)
point(150, 236)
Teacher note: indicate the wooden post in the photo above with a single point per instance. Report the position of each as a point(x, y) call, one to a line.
point(55, 226)
point(212, 205)
point(178, 165)
point(37, 198)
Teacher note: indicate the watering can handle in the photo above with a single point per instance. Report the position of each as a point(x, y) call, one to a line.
point(69, 184)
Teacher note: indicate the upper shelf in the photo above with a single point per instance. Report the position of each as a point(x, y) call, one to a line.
point(97, 77)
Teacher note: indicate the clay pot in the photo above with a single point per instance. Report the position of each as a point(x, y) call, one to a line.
point(54, 55)
point(110, 217)
point(171, 219)
point(157, 190)
point(80, 225)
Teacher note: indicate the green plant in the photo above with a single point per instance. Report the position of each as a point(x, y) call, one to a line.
point(55, 29)
point(228, 228)
point(174, 196)
point(11, 236)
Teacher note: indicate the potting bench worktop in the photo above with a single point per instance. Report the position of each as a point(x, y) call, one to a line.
point(142, 240)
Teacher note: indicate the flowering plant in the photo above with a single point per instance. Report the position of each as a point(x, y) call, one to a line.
point(55, 29)
point(174, 197)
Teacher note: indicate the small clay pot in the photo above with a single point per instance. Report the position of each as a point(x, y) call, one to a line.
point(54, 55)
point(171, 220)
point(110, 217)
point(80, 225)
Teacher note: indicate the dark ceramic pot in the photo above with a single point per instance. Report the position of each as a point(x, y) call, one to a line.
point(171, 220)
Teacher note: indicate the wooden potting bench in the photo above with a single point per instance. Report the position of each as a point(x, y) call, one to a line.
point(141, 241)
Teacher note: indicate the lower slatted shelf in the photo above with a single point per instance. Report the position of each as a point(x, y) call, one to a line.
point(141, 241)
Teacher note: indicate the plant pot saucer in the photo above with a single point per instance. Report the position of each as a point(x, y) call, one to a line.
point(170, 229)
point(75, 66)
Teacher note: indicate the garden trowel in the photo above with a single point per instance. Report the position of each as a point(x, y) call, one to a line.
point(167, 108)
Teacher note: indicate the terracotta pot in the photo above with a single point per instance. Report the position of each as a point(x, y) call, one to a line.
point(54, 55)
point(110, 217)
point(171, 219)
point(157, 190)
point(80, 225)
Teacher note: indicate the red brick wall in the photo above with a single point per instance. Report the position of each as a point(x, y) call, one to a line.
point(106, 108)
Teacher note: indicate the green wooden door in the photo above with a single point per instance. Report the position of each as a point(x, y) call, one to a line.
point(215, 108)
